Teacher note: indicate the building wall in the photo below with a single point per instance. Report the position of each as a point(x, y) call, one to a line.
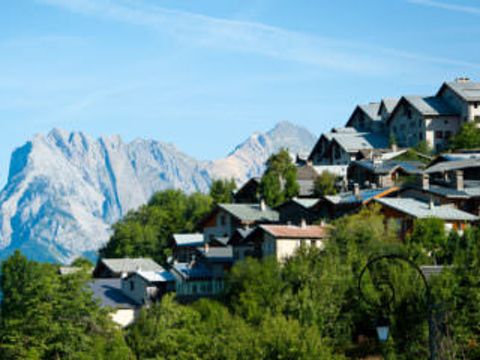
point(222, 228)
point(447, 126)
point(474, 111)
point(199, 288)
point(455, 102)
point(135, 288)
point(338, 156)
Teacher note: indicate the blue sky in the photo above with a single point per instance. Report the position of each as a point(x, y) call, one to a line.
point(206, 74)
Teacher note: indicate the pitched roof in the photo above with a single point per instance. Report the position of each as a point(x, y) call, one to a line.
point(353, 143)
point(467, 90)
point(195, 239)
point(296, 232)
point(471, 189)
point(109, 293)
point(127, 265)
point(217, 254)
point(371, 110)
point(389, 104)
point(156, 276)
point(430, 105)
point(422, 210)
point(250, 212)
point(306, 202)
point(453, 165)
point(388, 166)
point(366, 195)
point(192, 271)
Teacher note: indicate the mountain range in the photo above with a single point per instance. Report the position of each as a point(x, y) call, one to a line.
point(66, 189)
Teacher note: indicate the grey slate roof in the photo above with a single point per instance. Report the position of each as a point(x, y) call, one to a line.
point(190, 272)
point(306, 187)
point(217, 254)
point(353, 143)
point(250, 212)
point(421, 210)
point(127, 265)
point(468, 90)
point(388, 166)
point(109, 293)
point(195, 239)
point(156, 276)
point(371, 110)
point(471, 189)
point(453, 165)
point(390, 104)
point(431, 105)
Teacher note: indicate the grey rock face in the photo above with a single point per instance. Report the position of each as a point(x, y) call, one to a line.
point(64, 189)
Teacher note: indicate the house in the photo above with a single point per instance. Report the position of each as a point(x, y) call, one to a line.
point(424, 118)
point(226, 218)
point(194, 280)
point(248, 192)
point(444, 170)
point(463, 194)
point(366, 118)
point(240, 246)
point(464, 96)
point(184, 246)
point(282, 241)
point(116, 268)
point(335, 206)
point(297, 210)
point(109, 294)
point(146, 287)
point(382, 173)
point(318, 155)
point(404, 211)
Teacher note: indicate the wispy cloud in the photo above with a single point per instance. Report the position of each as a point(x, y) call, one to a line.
point(448, 6)
point(254, 37)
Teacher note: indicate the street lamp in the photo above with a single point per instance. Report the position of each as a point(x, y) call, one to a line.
point(388, 297)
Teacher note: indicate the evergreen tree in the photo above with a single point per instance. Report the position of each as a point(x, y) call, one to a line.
point(221, 191)
point(325, 184)
point(467, 138)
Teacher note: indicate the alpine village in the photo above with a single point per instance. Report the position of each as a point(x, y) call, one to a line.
point(365, 248)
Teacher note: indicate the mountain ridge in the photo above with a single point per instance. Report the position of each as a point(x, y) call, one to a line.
point(65, 189)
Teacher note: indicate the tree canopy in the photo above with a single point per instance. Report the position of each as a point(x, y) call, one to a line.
point(221, 191)
point(467, 138)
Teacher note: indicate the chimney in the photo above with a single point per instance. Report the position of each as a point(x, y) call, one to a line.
point(303, 224)
point(462, 79)
point(323, 223)
point(263, 206)
point(206, 247)
point(394, 147)
point(459, 180)
point(431, 204)
point(356, 190)
point(425, 182)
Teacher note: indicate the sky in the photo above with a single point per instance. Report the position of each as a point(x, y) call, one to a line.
point(206, 74)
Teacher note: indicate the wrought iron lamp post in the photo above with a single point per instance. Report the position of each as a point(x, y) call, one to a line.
point(382, 326)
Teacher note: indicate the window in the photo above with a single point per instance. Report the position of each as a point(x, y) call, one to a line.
point(337, 153)
point(409, 113)
point(475, 105)
point(445, 122)
point(419, 123)
point(223, 221)
point(448, 134)
point(438, 134)
point(420, 136)
point(132, 285)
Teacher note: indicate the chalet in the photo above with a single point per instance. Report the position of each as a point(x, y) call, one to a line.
point(382, 173)
point(423, 118)
point(116, 268)
point(297, 210)
point(184, 246)
point(366, 118)
point(248, 192)
point(195, 280)
point(470, 169)
point(335, 206)
point(226, 218)
point(282, 241)
point(404, 211)
point(318, 155)
point(464, 96)
point(463, 194)
point(240, 246)
point(146, 287)
point(109, 294)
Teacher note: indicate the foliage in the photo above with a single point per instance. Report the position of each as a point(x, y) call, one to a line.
point(147, 231)
point(221, 191)
point(279, 183)
point(428, 241)
point(48, 316)
point(325, 184)
point(467, 138)
point(82, 263)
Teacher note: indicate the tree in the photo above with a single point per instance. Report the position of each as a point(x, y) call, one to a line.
point(48, 316)
point(467, 138)
point(147, 231)
point(221, 191)
point(428, 241)
point(325, 184)
point(279, 183)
